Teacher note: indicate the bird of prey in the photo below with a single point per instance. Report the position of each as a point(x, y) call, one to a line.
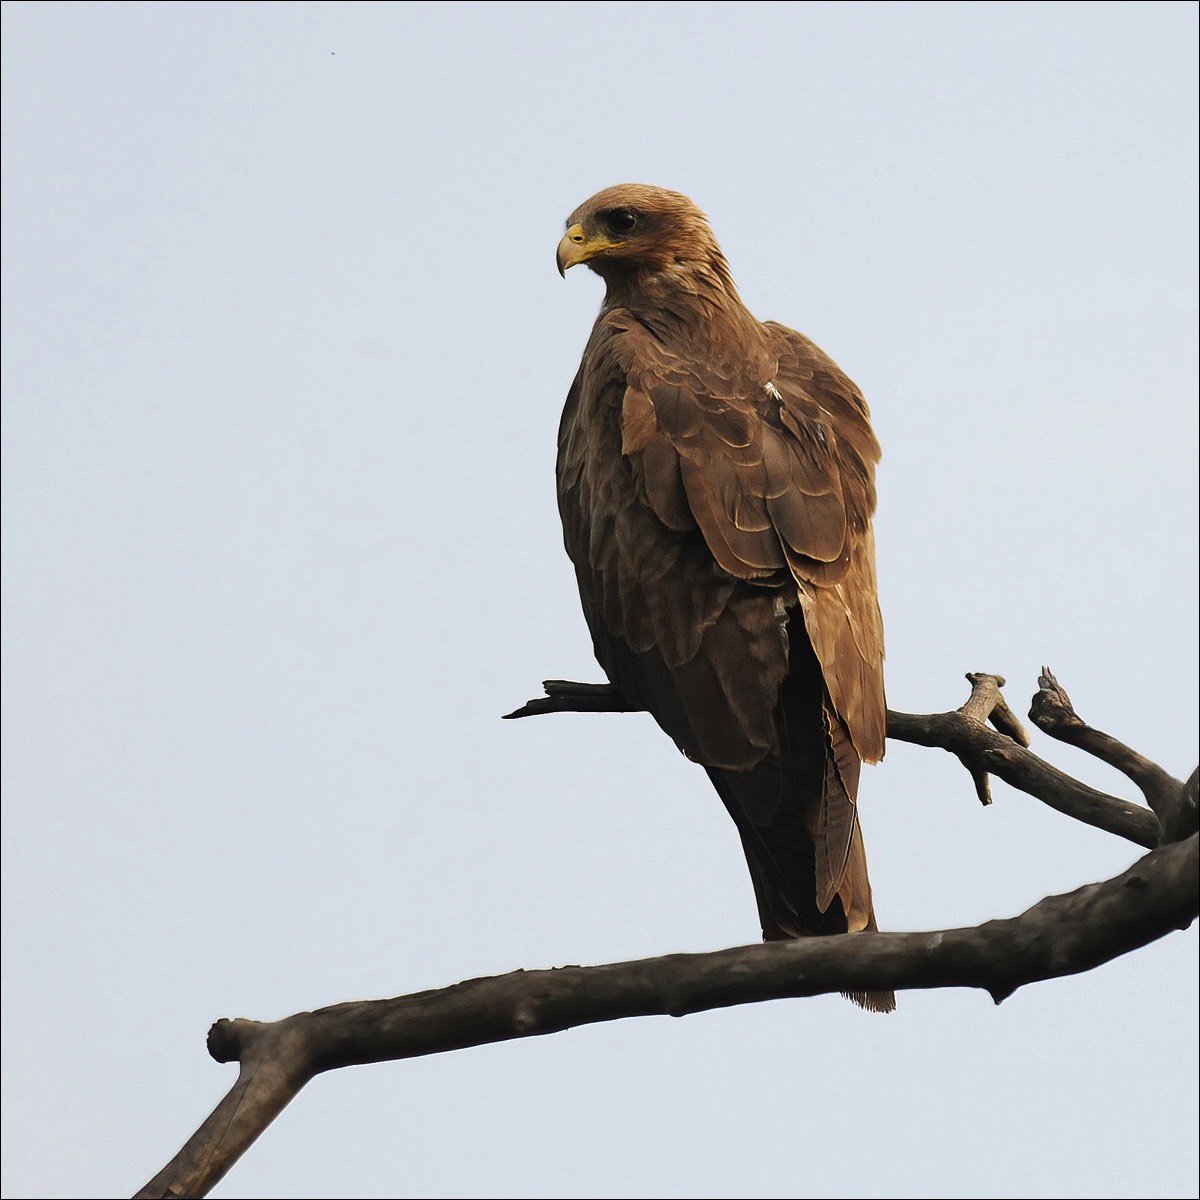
point(716, 487)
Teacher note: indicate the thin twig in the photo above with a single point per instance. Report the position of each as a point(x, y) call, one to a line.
point(1054, 714)
point(564, 695)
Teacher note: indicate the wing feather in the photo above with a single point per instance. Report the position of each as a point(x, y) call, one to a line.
point(715, 525)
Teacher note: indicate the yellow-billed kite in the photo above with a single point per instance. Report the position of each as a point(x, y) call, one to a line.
point(716, 486)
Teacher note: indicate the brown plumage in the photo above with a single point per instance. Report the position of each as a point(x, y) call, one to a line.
point(716, 486)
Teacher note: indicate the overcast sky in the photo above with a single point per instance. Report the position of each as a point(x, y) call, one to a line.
point(284, 355)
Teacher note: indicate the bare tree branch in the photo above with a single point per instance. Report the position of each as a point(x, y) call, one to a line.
point(1061, 935)
point(983, 751)
point(1053, 713)
point(1186, 819)
point(963, 733)
point(564, 695)
point(986, 703)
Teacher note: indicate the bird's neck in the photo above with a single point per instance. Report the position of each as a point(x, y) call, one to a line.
point(707, 280)
point(685, 303)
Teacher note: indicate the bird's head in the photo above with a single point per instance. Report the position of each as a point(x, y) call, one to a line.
point(632, 229)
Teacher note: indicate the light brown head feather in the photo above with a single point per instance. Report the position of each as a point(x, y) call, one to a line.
point(641, 230)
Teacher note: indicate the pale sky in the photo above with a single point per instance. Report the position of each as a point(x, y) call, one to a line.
point(284, 355)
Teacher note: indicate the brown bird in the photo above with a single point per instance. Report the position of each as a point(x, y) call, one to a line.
point(716, 487)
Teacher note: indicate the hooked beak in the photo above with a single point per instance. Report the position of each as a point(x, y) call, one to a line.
point(576, 247)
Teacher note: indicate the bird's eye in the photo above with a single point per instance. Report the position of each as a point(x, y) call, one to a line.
point(621, 220)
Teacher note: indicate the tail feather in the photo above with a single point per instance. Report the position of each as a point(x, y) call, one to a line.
point(781, 838)
point(880, 1002)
